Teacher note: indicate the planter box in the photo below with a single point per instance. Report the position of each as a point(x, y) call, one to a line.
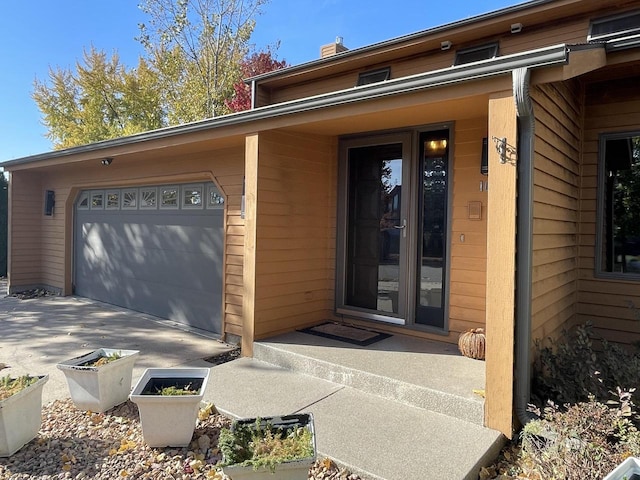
point(99, 388)
point(169, 421)
point(627, 470)
point(292, 470)
point(21, 417)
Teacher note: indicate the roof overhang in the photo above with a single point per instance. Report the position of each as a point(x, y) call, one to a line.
point(555, 56)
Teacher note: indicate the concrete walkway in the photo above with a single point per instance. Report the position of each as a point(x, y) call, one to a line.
point(373, 435)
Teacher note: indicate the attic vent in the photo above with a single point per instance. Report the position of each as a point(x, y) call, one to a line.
point(476, 54)
point(374, 76)
point(618, 26)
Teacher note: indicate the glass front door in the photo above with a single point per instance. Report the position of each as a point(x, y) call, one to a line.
point(395, 209)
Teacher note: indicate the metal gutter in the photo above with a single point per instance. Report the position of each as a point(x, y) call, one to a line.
point(555, 55)
point(524, 242)
point(405, 38)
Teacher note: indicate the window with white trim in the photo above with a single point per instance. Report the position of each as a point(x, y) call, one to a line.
point(130, 199)
point(169, 197)
point(192, 196)
point(618, 240)
point(149, 198)
point(113, 200)
point(97, 200)
point(83, 201)
point(214, 198)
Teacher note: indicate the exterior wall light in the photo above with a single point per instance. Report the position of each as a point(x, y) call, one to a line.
point(107, 161)
point(516, 27)
point(446, 45)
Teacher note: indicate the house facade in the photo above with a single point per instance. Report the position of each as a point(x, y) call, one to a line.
point(476, 174)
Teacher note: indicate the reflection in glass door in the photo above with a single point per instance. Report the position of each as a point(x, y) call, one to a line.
point(376, 229)
point(432, 240)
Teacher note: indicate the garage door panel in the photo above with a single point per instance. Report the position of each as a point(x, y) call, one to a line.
point(166, 263)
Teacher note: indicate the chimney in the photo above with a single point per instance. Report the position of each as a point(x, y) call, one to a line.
point(332, 48)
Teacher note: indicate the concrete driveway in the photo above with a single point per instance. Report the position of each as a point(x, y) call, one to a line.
point(38, 333)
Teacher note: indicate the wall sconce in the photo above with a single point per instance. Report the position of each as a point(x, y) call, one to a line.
point(107, 161)
point(49, 202)
point(484, 158)
point(446, 45)
point(516, 27)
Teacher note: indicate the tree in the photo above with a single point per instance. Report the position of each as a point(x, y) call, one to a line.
point(101, 100)
point(255, 64)
point(197, 46)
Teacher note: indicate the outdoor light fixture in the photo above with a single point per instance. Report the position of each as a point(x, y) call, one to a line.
point(516, 27)
point(446, 45)
point(49, 202)
point(107, 161)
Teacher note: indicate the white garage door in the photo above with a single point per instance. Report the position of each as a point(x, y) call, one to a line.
point(154, 249)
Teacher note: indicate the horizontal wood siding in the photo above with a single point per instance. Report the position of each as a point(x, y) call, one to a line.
point(571, 31)
point(558, 124)
point(51, 237)
point(295, 231)
point(467, 285)
point(25, 230)
point(610, 107)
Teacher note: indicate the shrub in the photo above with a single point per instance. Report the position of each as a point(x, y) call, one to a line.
point(585, 441)
point(582, 364)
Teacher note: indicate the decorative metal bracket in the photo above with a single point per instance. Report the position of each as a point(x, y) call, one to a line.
point(508, 153)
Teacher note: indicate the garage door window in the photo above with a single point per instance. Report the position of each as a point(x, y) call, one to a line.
point(148, 198)
point(169, 197)
point(130, 199)
point(214, 199)
point(192, 196)
point(113, 200)
point(97, 200)
point(83, 201)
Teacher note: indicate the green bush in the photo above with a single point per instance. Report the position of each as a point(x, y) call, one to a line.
point(582, 364)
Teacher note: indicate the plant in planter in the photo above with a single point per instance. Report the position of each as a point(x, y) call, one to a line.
point(101, 379)
point(168, 400)
point(271, 447)
point(20, 411)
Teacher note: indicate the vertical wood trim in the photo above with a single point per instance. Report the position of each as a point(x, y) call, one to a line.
point(10, 204)
point(250, 234)
point(501, 254)
point(69, 240)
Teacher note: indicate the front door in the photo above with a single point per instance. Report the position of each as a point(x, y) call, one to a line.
point(392, 258)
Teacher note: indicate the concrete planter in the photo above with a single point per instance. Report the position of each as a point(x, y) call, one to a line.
point(627, 470)
point(169, 421)
point(21, 417)
point(99, 388)
point(289, 470)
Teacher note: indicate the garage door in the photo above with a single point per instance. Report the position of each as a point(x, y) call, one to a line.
point(154, 249)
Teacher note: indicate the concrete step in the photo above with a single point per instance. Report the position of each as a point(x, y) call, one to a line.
point(377, 438)
point(357, 369)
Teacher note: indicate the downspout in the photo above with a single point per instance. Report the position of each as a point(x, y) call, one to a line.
point(524, 241)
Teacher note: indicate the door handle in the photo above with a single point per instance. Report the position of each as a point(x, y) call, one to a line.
point(402, 227)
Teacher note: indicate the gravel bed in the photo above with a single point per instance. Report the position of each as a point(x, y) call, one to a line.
point(75, 444)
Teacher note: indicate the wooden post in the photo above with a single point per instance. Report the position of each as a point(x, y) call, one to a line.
point(250, 231)
point(501, 263)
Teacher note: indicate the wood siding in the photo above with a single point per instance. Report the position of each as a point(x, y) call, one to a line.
point(295, 238)
point(610, 107)
point(571, 31)
point(468, 238)
point(558, 126)
point(51, 237)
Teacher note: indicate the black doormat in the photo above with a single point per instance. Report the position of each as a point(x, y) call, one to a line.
point(346, 333)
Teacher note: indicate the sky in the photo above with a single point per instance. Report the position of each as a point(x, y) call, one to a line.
point(36, 35)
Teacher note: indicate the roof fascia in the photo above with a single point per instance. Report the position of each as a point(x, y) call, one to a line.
point(544, 57)
point(402, 39)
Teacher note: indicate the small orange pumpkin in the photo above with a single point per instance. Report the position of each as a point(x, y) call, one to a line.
point(472, 343)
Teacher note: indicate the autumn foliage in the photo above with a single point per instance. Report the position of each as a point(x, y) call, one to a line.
point(253, 65)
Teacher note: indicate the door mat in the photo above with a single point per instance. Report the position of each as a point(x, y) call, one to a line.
point(346, 333)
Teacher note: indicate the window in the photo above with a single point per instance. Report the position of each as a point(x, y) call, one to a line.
point(113, 199)
point(148, 198)
point(214, 199)
point(476, 54)
point(374, 76)
point(97, 200)
point(83, 201)
point(618, 243)
point(614, 27)
point(130, 199)
point(169, 197)
point(192, 196)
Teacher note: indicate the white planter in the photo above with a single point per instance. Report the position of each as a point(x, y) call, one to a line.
point(293, 470)
point(21, 417)
point(99, 388)
point(169, 421)
point(629, 470)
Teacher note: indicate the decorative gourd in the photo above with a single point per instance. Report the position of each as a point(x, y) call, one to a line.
point(472, 342)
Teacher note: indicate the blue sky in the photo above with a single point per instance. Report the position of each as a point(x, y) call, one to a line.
point(38, 34)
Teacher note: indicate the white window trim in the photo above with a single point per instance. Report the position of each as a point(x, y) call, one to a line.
point(216, 190)
point(83, 196)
